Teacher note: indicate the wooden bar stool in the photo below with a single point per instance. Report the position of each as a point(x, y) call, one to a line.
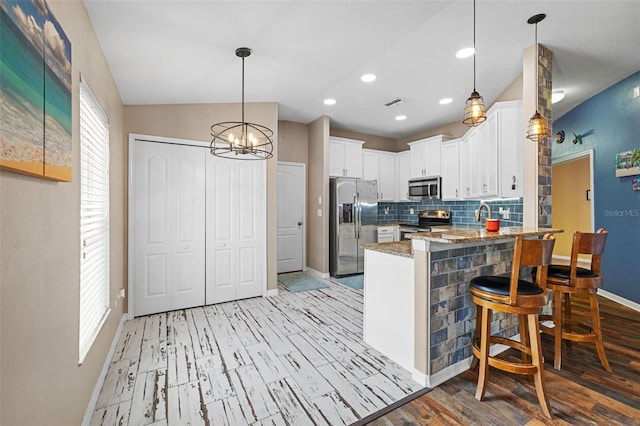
point(563, 281)
point(515, 296)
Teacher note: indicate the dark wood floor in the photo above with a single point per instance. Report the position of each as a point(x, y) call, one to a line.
point(581, 393)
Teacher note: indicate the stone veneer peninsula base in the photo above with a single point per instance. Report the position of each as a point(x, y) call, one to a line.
point(417, 304)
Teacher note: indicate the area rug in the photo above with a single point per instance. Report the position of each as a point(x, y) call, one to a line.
point(353, 281)
point(299, 281)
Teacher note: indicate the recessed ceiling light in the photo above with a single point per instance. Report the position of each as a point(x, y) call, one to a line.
point(557, 96)
point(401, 117)
point(368, 78)
point(445, 101)
point(329, 101)
point(465, 53)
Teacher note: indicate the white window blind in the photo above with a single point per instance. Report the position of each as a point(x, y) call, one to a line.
point(94, 219)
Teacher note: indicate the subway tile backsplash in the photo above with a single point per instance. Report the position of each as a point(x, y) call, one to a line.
point(462, 212)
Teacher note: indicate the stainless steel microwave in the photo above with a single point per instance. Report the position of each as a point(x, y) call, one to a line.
point(427, 188)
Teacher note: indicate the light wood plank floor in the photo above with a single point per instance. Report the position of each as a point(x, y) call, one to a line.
point(581, 393)
point(293, 359)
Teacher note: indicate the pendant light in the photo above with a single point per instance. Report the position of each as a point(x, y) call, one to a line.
point(474, 112)
point(538, 128)
point(240, 139)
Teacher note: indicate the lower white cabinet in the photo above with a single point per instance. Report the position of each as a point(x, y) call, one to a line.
point(386, 234)
point(197, 227)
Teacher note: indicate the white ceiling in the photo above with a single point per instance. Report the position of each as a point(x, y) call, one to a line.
point(180, 51)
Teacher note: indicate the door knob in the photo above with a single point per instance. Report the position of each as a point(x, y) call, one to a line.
point(300, 223)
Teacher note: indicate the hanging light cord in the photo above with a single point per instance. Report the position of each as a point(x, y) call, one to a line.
point(243, 90)
point(474, 45)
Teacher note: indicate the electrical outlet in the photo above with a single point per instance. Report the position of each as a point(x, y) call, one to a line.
point(319, 212)
point(411, 211)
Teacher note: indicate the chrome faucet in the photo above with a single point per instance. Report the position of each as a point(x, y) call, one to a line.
point(479, 211)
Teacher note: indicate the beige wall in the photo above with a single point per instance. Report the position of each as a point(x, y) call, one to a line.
point(571, 209)
point(293, 142)
point(370, 141)
point(318, 186)
point(193, 121)
point(41, 382)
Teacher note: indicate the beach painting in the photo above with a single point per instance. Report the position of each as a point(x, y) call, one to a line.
point(628, 163)
point(35, 91)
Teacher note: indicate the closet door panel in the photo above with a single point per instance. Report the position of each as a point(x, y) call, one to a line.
point(153, 210)
point(251, 229)
point(189, 244)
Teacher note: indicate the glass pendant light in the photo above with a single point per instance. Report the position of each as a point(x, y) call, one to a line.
point(240, 139)
point(538, 128)
point(474, 112)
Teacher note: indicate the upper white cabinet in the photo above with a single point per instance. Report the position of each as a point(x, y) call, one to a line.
point(450, 168)
point(469, 165)
point(403, 162)
point(425, 157)
point(380, 166)
point(491, 155)
point(487, 140)
point(345, 157)
point(511, 140)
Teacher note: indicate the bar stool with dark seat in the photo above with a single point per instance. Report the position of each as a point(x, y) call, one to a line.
point(563, 281)
point(515, 296)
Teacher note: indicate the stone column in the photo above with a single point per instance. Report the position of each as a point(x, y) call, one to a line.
point(536, 95)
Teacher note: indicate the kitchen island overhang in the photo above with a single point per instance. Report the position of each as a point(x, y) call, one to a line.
point(417, 304)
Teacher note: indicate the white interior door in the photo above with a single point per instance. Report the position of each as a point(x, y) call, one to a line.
point(235, 232)
point(291, 195)
point(168, 211)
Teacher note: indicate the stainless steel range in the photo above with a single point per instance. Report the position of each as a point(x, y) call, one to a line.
point(426, 220)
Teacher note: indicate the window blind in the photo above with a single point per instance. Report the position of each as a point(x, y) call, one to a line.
point(94, 219)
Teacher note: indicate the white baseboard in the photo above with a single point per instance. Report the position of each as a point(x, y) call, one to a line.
point(621, 300)
point(318, 274)
point(91, 407)
point(272, 292)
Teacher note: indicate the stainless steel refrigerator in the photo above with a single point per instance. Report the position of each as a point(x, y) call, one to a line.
point(353, 221)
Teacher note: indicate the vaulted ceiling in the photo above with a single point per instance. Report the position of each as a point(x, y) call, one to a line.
point(172, 52)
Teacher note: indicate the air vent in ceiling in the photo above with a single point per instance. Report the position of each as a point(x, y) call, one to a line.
point(395, 102)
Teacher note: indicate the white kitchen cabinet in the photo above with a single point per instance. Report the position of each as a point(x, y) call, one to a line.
point(450, 169)
point(403, 162)
point(425, 157)
point(236, 234)
point(511, 140)
point(487, 141)
point(469, 165)
point(380, 166)
point(345, 157)
point(386, 234)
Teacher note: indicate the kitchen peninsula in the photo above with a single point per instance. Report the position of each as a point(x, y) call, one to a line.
point(417, 304)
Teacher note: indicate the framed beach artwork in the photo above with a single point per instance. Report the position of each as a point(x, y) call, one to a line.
point(628, 163)
point(35, 91)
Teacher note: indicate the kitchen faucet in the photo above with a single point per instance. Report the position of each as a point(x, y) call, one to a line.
point(479, 211)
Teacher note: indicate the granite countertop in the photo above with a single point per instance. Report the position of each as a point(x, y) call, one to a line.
point(457, 235)
point(398, 248)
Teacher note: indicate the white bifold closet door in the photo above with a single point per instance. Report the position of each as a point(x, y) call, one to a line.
point(169, 227)
point(236, 224)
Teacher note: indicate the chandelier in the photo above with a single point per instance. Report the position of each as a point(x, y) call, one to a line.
point(241, 140)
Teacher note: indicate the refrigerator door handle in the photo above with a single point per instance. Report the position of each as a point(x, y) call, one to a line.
point(359, 224)
point(354, 211)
